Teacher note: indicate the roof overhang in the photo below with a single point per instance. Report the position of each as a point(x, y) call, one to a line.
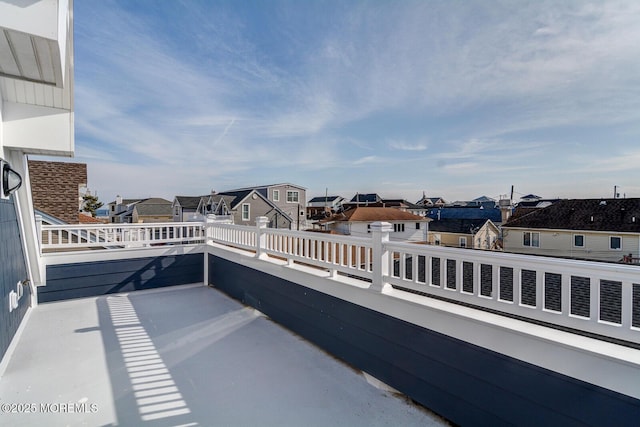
point(36, 76)
point(33, 40)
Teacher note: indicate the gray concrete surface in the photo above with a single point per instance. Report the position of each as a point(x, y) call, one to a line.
point(187, 356)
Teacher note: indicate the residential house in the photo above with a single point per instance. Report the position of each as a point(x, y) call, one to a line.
point(152, 210)
point(319, 207)
point(365, 199)
point(189, 208)
point(127, 211)
point(244, 206)
point(464, 233)
point(120, 210)
point(357, 222)
point(374, 200)
point(290, 199)
point(359, 199)
point(431, 201)
point(530, 203)
point(55, 188)
point(468, 212)
point(597, 229)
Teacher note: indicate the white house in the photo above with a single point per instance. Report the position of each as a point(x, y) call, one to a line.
point(357, 222)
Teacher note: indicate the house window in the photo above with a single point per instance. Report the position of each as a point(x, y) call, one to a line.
point(463, 242)
point(398, 228)
point(417, 226)
point(292, 197)
point(578, 241)
point(615, 243)
point(245, 211)
point(531, 239)
point(177, 211)
point(113, 208)
point(276, 195)
point(368, 228)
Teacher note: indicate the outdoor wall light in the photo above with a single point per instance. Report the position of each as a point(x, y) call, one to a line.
point(11, 180)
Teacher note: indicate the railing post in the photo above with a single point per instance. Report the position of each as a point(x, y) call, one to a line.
point(39, 232)
point(380, 236)
point(208, 227)
point(261, 237)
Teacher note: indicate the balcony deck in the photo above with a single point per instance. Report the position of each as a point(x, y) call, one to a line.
point(185, 355)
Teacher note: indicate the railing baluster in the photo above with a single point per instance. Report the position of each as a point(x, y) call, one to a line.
point(497, 281)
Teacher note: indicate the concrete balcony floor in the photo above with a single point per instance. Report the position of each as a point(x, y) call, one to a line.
point(187, 356)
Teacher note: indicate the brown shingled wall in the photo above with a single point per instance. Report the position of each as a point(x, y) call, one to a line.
point(54, 187)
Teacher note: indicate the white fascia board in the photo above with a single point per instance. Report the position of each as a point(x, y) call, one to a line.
point(38, 130)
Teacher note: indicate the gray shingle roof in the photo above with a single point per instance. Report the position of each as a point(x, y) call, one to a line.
point(323, 198)
point(456, 225)
point(189, 202)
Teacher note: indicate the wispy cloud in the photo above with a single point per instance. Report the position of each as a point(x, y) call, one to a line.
point(404, 146)
point(229, 94)
point(367, 160)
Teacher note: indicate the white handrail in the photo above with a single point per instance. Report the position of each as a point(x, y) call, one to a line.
point(595, 297)
point(590, 296)
point(75, 236)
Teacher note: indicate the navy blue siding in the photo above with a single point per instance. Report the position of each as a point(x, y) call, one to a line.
point(106, 277)
point(12, 269)
point(466, 384)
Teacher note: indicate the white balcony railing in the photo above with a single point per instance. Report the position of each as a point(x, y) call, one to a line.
point(593, 297)
point(72, 237)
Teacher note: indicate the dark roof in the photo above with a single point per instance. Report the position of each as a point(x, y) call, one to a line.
point(400, 203)
point(323, 198)
point(537, 203)
point(263, 187)
point(615, 215)
point(238, 196)
point(466, 212)
point(366, 198)
point(483, 199)
point(189, 202)
point(456, 225)
point(154, 207)
point(370, 214)
point(530, 197)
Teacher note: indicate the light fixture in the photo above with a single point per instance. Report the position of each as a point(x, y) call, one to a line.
point(11, 180)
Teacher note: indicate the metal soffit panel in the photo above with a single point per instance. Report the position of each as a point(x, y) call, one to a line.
point(26, 57)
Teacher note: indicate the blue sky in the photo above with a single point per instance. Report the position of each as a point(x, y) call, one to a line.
point(455, 98)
